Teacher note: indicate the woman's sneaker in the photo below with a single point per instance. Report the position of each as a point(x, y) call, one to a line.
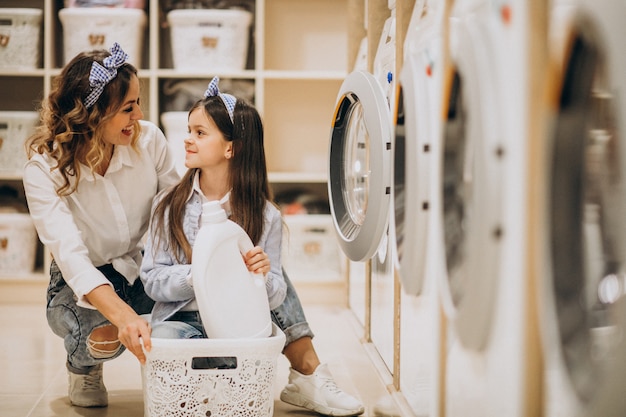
point(319, 392)
point(88, 390)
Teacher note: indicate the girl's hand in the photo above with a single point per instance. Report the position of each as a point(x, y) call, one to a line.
point(257, 261)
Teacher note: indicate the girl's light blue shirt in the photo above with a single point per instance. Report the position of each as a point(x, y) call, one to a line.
point(167, 281)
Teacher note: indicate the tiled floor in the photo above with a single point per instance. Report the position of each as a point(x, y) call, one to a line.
point(33, 379)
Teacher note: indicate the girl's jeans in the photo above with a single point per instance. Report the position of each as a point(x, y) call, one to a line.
point(74, 324)
point(289, 317)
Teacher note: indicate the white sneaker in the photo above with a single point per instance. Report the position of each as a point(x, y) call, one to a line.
point(88, 390)
point(319, 392)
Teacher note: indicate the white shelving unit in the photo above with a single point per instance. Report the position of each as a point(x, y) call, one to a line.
point(300, 60)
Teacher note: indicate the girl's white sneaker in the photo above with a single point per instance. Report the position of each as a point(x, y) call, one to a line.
point(319, 392)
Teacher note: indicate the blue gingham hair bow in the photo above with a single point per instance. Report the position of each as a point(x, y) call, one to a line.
point(229, 100)
point(101, 75)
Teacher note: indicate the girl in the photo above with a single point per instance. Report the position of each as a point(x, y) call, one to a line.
point(93, 171)
point(226, 161)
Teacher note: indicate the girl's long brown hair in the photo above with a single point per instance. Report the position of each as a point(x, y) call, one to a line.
point(248, 177)
point(71, 133)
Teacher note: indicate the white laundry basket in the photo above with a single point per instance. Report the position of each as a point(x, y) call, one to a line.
point(175, 130)
point(15, 128)
point(209, 39)
point(19, 38)
point(173, 388)
point(18, 244)
point(89, 28)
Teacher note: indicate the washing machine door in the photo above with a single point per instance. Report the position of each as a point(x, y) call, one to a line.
point(360, 165)
point(587, 216)
point(471, 186)
point(412, 165)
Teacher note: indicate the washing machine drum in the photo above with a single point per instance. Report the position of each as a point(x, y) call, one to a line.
point(360, 166)
point(587, 217)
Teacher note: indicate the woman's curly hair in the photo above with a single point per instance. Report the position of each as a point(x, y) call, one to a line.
point(71, 133)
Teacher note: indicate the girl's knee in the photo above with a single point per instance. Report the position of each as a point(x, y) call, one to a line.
point(175, 330)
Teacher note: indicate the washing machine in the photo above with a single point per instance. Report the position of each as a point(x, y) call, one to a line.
point(382, 326)
point(360, 181)
point(417, 125)
point(415, 168)
point(585, 268)
point(484, 288)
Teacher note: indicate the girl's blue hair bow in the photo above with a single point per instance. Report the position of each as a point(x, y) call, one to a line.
point(229, 100)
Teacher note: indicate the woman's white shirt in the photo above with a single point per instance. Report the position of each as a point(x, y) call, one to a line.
point(105, 219)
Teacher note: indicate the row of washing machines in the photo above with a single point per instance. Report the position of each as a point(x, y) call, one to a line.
point(489, 174)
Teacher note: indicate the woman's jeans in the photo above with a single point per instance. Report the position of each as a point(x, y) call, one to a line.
point(289, 317)
point(74, 324)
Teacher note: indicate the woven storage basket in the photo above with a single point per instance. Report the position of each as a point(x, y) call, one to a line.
point(18, 244)
point(209, 39)
point(20, 38)
point(105, 26)
point(175, 129)
point(15, 128)
point(310, 251)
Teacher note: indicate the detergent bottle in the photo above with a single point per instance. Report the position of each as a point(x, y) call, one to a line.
point(232, 301)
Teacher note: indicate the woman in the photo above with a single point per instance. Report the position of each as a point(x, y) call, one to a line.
point(94, 168)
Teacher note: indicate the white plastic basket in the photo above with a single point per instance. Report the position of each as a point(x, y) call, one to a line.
point(173, 388)
point(18, 244)
point(19, 38)
point(209, 39)
point(15, 128)
point(175, 129)
point(89, 28)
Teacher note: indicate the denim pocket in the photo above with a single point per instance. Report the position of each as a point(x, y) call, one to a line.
point(56, 284)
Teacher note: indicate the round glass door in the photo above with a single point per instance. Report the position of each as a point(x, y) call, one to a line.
point(399, 181)
point(356, 169)
point(587, 214)
point(360, 166)
point(412, 176)
point(471, 192)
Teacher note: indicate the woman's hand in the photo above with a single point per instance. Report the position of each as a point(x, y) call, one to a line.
point(132, 332)
point(131, 328)
point(257, 261)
